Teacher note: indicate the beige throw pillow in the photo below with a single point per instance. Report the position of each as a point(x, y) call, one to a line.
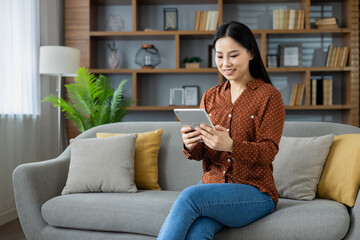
point(299, 164)
point(146, 158)
point(102, 165)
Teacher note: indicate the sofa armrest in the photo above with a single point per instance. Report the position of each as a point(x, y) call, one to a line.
point(34, 184)
point(354, 228)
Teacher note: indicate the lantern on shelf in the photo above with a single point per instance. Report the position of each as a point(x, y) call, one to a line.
point(147, 56)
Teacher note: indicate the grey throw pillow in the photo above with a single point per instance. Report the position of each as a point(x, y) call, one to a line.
point(299, 164)
point(102, 165)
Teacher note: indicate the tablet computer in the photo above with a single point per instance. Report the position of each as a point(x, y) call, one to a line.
point(193, 117)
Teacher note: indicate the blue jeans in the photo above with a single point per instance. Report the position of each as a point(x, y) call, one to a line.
point(204, 209)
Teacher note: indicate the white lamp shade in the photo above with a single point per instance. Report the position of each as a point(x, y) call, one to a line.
point(59, 60)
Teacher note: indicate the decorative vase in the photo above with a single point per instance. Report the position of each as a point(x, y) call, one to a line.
point(113, 60)
point(147, 56)
point(115, 23)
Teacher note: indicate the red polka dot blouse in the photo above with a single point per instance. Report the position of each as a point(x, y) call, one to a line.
point(255, 122)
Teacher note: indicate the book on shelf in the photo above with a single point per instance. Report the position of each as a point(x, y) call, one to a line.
point(288, 19)
point(327, 89)
point(206, 20)
point(276, 19)
point(297, 95)
point(197, 20)
point(327, 64)
point(293, 95)
point(300, 94)
point(292, 13)
point(323, 21)
point(281, 19)
point(326, 23)
point(344, 56)
point(330, 26)
point(337, 56)
point(321, 92)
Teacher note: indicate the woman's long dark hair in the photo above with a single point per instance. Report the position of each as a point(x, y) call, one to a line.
point(243, 35)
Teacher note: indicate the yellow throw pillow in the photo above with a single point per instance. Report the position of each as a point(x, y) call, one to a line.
point(146, 158)
point(340, 179)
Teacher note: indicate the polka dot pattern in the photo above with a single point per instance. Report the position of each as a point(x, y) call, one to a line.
point(255, 122)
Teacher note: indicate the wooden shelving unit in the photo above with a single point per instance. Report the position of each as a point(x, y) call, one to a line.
point(156, 70)
point(82, 31)
point(151, 33)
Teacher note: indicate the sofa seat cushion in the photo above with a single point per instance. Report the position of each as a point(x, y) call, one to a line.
point(142, 212)
point(145, 211)
point(317, 219)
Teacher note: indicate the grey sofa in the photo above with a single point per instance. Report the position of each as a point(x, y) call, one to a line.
point(45, 214)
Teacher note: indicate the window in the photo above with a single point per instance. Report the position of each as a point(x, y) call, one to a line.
point(19, 48)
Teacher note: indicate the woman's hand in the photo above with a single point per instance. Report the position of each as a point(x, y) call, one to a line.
point(190, 137)
point(216, 139)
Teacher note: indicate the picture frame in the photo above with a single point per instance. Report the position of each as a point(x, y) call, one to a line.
point(272, 61)
point(211, 57)
point(191, 95)
point(177, 96)
point(290, 55)
point(170, 19)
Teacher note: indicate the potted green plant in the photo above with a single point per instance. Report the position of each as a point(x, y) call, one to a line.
point(192, 62)
point(93, 101)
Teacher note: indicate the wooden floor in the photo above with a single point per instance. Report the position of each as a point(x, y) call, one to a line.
point(12, 231)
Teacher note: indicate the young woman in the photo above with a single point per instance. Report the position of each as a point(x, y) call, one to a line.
point(237, 186)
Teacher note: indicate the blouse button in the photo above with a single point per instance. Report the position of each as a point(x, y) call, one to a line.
point(229, 160)
point(227, 130)
point(224, 172)
point(252, 116)
point(229, 115)
point(210, 114)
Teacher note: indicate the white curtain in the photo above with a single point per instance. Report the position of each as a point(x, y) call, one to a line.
point(27, 128)
point(19, 92)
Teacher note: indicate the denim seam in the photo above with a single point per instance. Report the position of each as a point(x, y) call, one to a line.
point(248, 202)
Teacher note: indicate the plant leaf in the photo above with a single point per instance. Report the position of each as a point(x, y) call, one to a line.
point(92, 101)
point(116, 100)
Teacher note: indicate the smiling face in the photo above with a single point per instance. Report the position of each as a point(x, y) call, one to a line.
point(232, 59)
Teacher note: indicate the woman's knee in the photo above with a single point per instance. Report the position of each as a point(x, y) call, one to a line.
point(203, 228)
point(190, 194)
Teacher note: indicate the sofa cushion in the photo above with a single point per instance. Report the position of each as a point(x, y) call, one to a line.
point(340, 179)
point(141, 212)
point(102, 165)
point(296, 219)
point(145, 211)
point(298, 165)
point(146, 158)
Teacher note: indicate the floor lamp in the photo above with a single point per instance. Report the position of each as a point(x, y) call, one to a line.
point(61, 62)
